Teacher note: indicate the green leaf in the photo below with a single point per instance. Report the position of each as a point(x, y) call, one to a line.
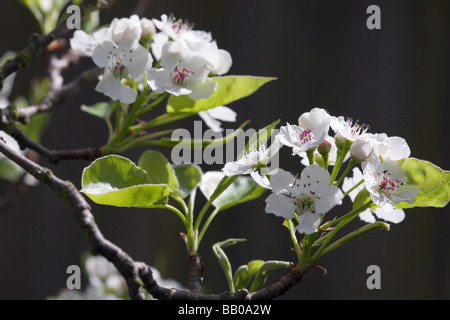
point(102, 110)
point(241, 190)
point(189, 176)
point(432, 181)
point(245, 274)
point(159, 170)
point(116, 181)
point(361, 198)
point(264, 270)
point(223, 259)
point(229, 89)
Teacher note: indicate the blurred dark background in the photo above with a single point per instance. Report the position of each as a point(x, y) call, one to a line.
point(396, 79)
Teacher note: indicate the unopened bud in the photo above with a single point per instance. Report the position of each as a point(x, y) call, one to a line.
point(324, 148)
point(360, 150)
point(339, 140)
point(148, 30)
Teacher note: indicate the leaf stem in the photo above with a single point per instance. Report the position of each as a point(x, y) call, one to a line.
point(340, 157)
point(344, 220)
point(290, 225)
point(352, 236)
point(350, 165)
point(353, 188)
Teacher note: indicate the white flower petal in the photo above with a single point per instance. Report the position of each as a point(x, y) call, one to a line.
point(83, 43)
point(113, 88)
point(280, 181)
point(407, 194)
point(313, 119)
point(280, 206)
point(138, 61)
point(397, 149)
point(102, 52)
point(202, 90)
point(210, 121)
point(261, 180)
point(308, 223)
point(394, 216)
point(367, 216)
point(222, 113)
point(330, 196)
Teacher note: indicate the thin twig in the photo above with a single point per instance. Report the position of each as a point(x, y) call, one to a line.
point(38, 43)
point(57, 96)
point(82, 213)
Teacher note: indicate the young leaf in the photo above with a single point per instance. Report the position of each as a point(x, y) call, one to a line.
point(264, 270)
point(189, 176)
point(159, 170)
point(245, 274)
point(223, 259)
point(229, 89)
point(102, 110)
point(433, 182)
point(116, 181)
point(361, 198)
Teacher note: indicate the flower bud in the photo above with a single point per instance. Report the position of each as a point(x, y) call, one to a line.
point(126, 31)
point(324, 148)
point(148, 30)
point(360, 150)
point(339, 140)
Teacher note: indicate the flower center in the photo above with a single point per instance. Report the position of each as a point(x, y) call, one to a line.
point(305, 200)
point(357, 129)
point(305, 203)
point(116, 60)
point(388, 185)
point(306, 136)
point(179, 26)
point(181, 75)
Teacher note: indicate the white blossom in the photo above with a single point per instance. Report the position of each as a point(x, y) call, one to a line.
point(389, 148)
point(182, 73)
point(387, 183)
point(198, 42)
point(120, 63)
point(348, 128)
point(85, 43)
point(251, 162)
point(309, 134)
point(125, 32)
point(307, 197)
point(369, 215)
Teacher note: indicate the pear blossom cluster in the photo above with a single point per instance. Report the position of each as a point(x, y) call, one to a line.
point(319, 139)
point(168, 55)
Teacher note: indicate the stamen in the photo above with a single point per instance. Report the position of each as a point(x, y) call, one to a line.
point(386, 185)
point(306, 136)
point(181, 75)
